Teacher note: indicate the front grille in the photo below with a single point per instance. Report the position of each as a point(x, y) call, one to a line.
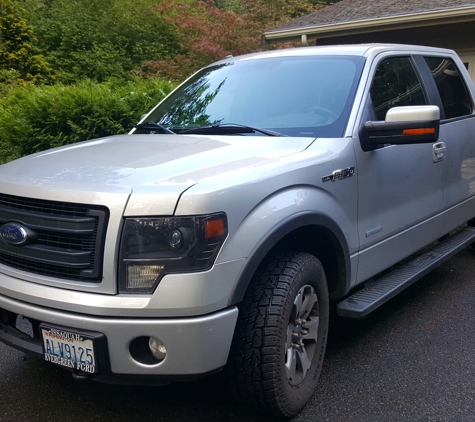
point(41, 206)
point(66, 239)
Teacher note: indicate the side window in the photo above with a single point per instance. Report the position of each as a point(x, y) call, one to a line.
point(396, 84)
point(452, 89)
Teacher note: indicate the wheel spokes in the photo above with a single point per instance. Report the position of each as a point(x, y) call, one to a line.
point(291, 365)
point(304, 361)
point(297, 364)
point(311, 327)
point(298, 303)
point(302, 334)
point(308, 301)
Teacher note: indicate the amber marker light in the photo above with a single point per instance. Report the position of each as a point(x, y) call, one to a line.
point(422, 131)
point(215, 228)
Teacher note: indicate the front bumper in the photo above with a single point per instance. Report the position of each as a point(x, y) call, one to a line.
point(195, 345)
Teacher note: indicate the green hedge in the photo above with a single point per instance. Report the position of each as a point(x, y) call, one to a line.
point(35, 118)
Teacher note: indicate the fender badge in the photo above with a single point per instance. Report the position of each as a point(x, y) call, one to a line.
point(14, 233)
point(339, 174)
point(374, 231)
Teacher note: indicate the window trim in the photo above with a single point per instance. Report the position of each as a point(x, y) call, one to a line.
point(417, 72)
point(429, 81)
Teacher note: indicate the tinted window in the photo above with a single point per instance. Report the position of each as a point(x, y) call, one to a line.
point(452, 89)
point(396, 84)
point(297, 96)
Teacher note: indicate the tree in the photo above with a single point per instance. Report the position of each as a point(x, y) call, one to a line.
point(98, 39)
point(35, 118)
point(18, 54)
point(272, 13)
point(208, 33)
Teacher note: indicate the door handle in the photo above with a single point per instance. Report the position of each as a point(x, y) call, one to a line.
point(438, 152)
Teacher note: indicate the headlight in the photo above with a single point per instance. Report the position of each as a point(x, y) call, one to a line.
point(153, 247)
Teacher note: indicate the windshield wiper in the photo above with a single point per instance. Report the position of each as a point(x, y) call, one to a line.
point(224, 128)
point(152, 126)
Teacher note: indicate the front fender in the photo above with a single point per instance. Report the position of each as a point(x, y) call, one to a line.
point(266, 203)
point(282, 213)
point(279, 231)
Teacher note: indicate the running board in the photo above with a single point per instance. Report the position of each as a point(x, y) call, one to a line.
point(373, 296)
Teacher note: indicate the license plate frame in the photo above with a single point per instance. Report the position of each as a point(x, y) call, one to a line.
point(69, 348)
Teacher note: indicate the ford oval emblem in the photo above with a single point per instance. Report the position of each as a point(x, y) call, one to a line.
point(14, 233)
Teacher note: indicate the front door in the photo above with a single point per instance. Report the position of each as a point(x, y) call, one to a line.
point(400, 186)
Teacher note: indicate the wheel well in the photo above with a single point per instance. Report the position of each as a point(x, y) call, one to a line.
point(323, 244)
point(323, 240)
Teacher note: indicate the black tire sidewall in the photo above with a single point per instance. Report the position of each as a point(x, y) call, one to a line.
point(310, 272)
point(256, 366)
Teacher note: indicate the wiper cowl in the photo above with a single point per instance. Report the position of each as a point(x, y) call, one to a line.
point(224, 128)
point(152, 126)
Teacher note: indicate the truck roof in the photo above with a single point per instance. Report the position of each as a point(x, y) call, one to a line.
point(364, 50)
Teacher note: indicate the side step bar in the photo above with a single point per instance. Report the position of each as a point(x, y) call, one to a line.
point(373, 296)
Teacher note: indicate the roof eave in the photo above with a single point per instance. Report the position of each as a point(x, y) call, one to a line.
point(460, 14)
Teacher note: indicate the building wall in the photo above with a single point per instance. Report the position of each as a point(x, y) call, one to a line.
point(460, 35)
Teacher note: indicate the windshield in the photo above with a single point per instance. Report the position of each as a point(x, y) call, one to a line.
point(294, 96)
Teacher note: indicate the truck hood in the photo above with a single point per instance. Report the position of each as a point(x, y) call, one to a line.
point(145, 164)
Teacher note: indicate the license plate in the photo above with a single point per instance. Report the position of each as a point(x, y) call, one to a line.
point(69, 349)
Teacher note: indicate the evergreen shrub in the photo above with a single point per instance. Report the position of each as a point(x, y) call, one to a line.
point(36, 118)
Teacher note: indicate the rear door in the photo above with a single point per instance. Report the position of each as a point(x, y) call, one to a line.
point(457, 132)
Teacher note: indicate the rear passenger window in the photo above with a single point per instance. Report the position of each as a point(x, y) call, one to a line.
point(452, 89)
point(396, 84)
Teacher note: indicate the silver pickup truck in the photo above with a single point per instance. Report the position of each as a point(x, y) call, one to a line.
point(217, 233)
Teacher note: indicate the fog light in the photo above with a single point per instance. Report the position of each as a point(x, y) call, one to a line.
point(143, 276)
point(157, 348)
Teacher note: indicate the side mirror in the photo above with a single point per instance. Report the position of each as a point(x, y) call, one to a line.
point(402, 126)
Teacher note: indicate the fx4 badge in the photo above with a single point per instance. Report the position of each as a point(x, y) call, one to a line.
point(339, 174)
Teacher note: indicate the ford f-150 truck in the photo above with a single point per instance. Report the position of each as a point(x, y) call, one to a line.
point(217, 233)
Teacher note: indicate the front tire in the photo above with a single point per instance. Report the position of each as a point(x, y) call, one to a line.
point(281, 335)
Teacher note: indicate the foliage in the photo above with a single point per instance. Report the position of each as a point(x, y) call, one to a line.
point(92, 41)
point(37, 118)
point(9, 78)
point(98, 39)
point(229, 5)
point(272, 13)
point(19, 58)
point(209, 33)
